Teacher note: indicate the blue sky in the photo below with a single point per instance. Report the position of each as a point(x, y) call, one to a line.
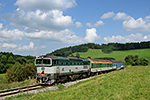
point(37, 27)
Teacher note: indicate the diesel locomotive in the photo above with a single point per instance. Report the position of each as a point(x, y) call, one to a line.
point(52, 69)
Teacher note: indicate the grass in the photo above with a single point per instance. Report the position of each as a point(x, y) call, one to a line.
point(118, 55)
point(130, 83)
point(5, 85)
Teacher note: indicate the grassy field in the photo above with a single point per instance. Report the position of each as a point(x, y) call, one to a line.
point(5, 85)
point(118, 55)
point(130, 83)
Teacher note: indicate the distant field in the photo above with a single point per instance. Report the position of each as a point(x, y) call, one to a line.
point(132, 83)
point(118, 55)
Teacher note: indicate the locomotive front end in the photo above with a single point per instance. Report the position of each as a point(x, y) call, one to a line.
point(45, 71)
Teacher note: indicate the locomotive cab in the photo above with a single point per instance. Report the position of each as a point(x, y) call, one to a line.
point(44, 71)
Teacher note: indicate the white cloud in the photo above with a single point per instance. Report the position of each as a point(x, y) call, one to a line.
point(128, 38)
point(107, 15)
point(10, 35)
point(1, 25)
point(99, 23)
point(46, 4)
point(91, 35)
point(27, 47)
point(147, 17)
point(64, 36)
point(147, 37)
point(122, 16)
point(6, 45)
point(50, 20)
point(139, 25)
point(88, 24)
point(78, 24)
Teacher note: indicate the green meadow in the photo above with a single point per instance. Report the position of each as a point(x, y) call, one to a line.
point(5, 85)
point(132, 83)
point(118, 55)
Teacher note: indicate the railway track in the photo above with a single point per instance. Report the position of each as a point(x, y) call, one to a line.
point(4, 93)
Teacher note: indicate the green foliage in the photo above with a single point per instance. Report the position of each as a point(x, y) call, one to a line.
point(77, 55)
point(134, 60)
point(7, 60)
point(11, 60)
point(79, 48)
point(29, 70)
point(19, 72)
point(21, 60)
point(106, 48)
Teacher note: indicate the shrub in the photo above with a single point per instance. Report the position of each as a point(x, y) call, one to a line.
point(134, 60)
point(19, 72)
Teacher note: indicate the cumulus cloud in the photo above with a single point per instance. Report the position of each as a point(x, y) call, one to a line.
point(139, 25)
point(98, 23)
point(107, 15)
point(6, 45)
point(65, 36)
point(10, 35)
point(78, 24)
point(89, 24)
point(122, 16)
point(27, 47)
point(46, 4)
point(50, 20)
point(128, 38)
point(91, 35)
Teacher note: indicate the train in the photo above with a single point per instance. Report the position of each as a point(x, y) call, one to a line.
point(52, 69)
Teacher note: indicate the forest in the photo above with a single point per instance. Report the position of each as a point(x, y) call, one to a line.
point(106, 48)
point(8, 59)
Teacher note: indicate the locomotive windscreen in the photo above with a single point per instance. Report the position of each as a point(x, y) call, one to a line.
point(43, 61)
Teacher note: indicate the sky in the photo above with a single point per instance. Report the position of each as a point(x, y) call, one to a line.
point(38, 27)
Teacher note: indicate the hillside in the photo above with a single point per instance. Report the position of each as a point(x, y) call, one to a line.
point(118, 85)
point(106, 48)
point(118, 55)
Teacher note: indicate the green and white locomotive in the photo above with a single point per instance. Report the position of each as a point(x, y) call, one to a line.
point(56, 68)
point(52, 69)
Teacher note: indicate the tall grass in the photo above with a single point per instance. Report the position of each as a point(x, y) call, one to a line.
point(5, 85)
point(130, 83)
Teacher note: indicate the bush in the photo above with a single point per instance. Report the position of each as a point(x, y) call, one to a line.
point(19, 72)
point(134, 60)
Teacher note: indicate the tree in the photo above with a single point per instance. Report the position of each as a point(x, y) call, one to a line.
point(15, 73)
point(134, 60)
point(77, 55)
point(21, 60)
point(20, 72)
point(3, 59)
point(29, 70)
point(11, 60)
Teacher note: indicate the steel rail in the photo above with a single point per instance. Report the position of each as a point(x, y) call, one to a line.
point(19, 90)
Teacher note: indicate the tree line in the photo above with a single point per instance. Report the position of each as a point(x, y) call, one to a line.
point(16, 67)
point(106, 48)
point(8, 59)
point(72, 49)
